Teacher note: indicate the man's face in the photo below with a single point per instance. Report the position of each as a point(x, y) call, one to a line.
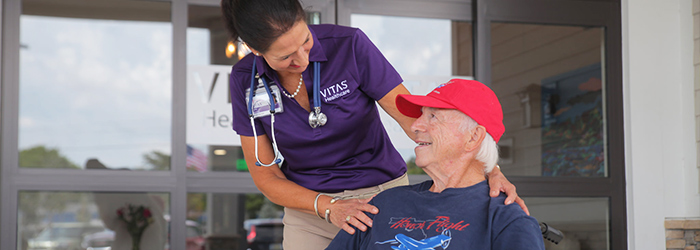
point(439, 137)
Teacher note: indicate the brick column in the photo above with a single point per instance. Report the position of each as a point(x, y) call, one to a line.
point(682, 234)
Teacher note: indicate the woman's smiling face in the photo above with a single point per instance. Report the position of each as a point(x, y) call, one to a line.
point(290, 52)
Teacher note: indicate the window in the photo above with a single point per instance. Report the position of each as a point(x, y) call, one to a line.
point(102, 84)
point(550, 83)
point(95, 83)
point(426, 52)
point(85, 220)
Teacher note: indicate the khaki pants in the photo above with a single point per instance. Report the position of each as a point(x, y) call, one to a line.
point(304, 231)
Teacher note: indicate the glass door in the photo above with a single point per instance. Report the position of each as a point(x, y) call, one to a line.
point(552, 65)
point(222, 200)
point(426, 48)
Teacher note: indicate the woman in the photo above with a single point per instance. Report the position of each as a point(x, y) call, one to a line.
point(330, 169)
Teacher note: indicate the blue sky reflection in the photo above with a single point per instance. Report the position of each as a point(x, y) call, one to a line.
point(96, 88)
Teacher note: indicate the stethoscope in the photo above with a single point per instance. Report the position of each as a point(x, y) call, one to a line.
point(316, 117)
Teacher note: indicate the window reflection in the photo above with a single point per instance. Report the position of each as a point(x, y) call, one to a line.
point(79, 220)
point(205, 158)
point(212, 145)
point(583, 221)
point(95, 82)
point(414, 46)
point(235, 221)
point(426, 52)
point(550, 82)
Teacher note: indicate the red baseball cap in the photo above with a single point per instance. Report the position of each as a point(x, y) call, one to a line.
point(473, 98)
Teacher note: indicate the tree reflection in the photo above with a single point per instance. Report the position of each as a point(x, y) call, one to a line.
point(43, 157)
point(157, 160)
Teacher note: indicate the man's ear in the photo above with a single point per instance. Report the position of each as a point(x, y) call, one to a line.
point(474, 138)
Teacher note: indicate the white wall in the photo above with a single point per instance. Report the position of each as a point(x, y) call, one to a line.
point(696, 62)
point(662, 177)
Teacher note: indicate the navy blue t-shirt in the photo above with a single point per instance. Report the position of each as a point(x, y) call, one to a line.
point(412, 217)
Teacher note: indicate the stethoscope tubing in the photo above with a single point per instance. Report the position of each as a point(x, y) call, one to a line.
point(253, 75)
point(317, 85)
point(261, 79)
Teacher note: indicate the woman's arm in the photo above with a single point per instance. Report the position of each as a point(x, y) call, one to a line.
point(281, 191)
point(388, 103)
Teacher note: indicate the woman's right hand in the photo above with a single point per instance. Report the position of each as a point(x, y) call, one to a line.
point(350, 214)
point(281, 191)
point(272, 182)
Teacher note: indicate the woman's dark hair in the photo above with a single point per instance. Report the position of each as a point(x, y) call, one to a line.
point(259, 23)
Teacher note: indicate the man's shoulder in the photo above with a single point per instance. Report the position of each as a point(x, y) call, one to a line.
point(401, 192)
point(498, 208)
point(503, 215)
point(513, 228)
point(423, 186)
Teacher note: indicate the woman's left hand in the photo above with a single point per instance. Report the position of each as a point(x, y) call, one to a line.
point(499, 183)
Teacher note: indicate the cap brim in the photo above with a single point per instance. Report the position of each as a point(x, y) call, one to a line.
point(410, 105)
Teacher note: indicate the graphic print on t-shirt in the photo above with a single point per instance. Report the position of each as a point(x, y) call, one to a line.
point(425, 235)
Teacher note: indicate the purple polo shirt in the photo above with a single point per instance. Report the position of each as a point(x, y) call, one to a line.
point(352, 150)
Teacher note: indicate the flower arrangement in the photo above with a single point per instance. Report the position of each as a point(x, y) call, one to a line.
point(137, 218)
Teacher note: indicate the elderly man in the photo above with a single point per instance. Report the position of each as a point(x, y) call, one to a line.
point(458, 126)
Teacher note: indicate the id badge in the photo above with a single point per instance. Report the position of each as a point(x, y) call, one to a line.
point(261, 100)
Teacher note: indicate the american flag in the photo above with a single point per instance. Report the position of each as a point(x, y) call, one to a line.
point(196, 160)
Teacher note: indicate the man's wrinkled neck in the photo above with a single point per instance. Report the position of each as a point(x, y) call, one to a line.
point(456, 175)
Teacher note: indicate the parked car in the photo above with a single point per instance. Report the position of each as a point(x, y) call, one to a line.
point(98, 241)
point(195, 238)
point(62, 236)
point(103, 240)
point(264, 234)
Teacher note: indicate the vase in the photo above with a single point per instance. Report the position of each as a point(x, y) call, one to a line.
point(136, 241)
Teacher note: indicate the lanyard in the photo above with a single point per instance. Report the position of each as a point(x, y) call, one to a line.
point(316, 92)
point(262, 80)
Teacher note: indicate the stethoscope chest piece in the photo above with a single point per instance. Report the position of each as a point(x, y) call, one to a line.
point(317, 119)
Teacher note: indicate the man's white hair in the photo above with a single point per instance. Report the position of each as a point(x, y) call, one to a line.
point(488, 151)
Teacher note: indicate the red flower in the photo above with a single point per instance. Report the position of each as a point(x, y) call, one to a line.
point(137, 218)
